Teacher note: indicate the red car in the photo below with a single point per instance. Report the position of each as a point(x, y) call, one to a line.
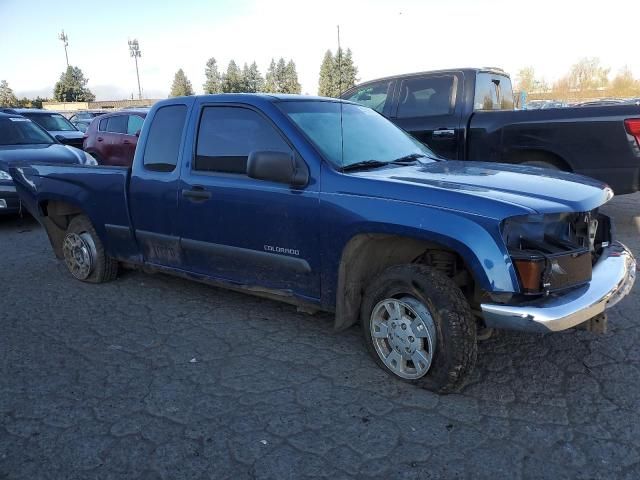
point(112, 138)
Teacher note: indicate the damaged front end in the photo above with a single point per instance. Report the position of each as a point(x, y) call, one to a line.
point(554, 252)
point(569, 268)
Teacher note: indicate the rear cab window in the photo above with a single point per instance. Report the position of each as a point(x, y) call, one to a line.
point(425, 96)
point(493, 92)
point(163, 140)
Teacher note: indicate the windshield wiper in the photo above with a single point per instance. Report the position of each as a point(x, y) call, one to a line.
point(404, 160)
point(408, 158)
point(363, 165)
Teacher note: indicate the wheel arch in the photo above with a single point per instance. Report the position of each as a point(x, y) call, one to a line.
point(367, 254)
point(540, 154)
point(55, 217)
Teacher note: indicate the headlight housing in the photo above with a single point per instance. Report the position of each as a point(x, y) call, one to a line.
point(555, 251)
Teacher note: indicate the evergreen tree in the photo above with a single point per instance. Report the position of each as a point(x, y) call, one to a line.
point(348, 72)
point(232, 80)
point(337, 73)
point(181, 85)
point(271, 84)
point(72, 87)
point(7, 98)
point(291, 83)
point(253, 79)
point(327, 77)
point(213, 83)
point(281, 76)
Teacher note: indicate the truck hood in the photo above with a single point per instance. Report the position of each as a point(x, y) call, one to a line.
point(477, 187)
point(18, 155)
point(71, 134)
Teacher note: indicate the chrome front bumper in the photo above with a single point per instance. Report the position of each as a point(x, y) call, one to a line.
point(612, 279)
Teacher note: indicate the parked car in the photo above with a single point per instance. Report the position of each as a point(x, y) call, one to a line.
point(328, 205)
point(112, 138)
point(22, 140)
point(54, 123)
point(82, 119)
point(468, 114)
point(599, 103)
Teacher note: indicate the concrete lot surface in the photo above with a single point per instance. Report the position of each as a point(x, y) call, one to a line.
point(156, 377)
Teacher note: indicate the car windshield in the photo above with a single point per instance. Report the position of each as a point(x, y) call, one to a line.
point(22, 131)
point(352, 134)
point(52, 122)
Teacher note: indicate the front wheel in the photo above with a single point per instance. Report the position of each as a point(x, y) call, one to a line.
point(84, 254)
point(418, 327)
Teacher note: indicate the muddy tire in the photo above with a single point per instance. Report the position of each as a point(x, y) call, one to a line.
point(84, 254)
point(419, 328)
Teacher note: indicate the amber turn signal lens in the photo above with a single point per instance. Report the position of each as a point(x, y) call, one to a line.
point(530, 273)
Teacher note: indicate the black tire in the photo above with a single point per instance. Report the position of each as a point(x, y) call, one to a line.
point(103, 268)
point(455, 352)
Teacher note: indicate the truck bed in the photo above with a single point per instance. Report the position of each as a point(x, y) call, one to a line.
point(99, 191)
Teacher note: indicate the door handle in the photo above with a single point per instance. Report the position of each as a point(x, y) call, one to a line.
point(444, 133)
point(99, 139)
point(196, 194)
point(126, 142)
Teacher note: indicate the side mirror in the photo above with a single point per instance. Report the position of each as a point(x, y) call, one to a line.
point(137, 134)
point(61, 139)
point(281, 167)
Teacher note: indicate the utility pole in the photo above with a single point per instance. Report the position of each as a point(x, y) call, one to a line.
point(134, 50)
point(65, 40)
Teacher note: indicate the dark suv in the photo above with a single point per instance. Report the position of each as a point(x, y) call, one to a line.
point(112, 138)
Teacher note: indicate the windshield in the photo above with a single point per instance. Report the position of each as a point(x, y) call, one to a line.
point(365, 135)
point(22, 131)
point(52, 122)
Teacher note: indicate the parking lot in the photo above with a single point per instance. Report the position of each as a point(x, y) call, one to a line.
point(156, 377)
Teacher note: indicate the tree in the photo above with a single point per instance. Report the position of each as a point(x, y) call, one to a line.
point(281, 76)
point(253, 80)
point(587, 74)
point(347, 71)
point(327, 79)
point(7, 98)
point(181, 86)
point(337, 73)
point(72, 87)
point(271, 84)
point(525, 80)
point(232, 80)
point(213, 83)
point(624, 85)
point(290, 83)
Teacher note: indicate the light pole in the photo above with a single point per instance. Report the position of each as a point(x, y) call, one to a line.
point(134, 50)
point(65, 41)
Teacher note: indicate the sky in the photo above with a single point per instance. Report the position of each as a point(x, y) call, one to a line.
point(386, 37)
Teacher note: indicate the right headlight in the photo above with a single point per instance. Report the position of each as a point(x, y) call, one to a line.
point(4, 175)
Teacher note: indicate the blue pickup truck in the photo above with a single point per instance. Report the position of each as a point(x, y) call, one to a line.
point(327, 205)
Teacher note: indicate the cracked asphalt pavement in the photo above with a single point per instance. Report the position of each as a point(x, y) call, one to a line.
point(154, 377)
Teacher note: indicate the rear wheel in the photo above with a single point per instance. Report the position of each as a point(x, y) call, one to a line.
point(84, 253)
point(418, 327)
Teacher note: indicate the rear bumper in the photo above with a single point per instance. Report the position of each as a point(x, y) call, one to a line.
point(613, 277)
point(9, 201)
